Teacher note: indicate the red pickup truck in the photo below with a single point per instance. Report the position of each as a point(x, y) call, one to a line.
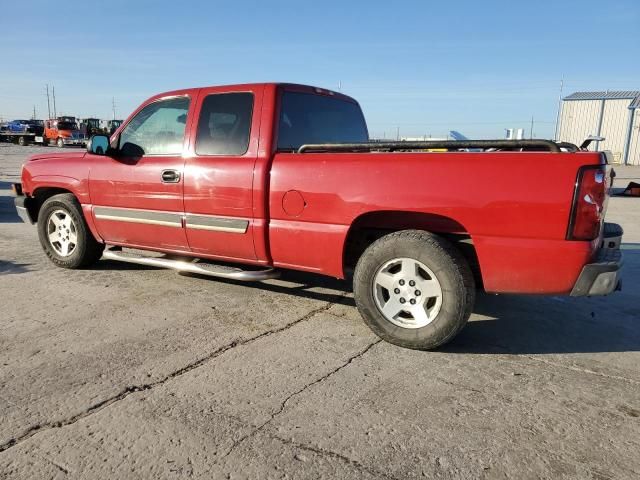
point(281, 176)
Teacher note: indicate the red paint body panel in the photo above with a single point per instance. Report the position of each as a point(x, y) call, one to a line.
point(509, 201)
point(136, 184)
point(116, 183)
point(515, 206)
point(222, 185)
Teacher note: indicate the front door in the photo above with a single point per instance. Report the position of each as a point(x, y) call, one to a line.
point(219, 173)
point(137, 194)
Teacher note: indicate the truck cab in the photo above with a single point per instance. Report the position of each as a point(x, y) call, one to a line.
point(90, 126)
point(112, 126)
point(63, 131)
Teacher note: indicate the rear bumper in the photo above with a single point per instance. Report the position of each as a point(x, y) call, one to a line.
point(603, 276)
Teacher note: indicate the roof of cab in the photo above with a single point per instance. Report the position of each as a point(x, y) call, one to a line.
point(254, 86)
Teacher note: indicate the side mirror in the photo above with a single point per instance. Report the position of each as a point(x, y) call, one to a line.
point(98, 145)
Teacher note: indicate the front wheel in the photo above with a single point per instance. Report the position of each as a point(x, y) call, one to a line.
point(60, 143)
point(64, 234)
point(414, 289)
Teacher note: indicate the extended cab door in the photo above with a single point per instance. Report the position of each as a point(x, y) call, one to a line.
point(219, 172)
point(137, 194)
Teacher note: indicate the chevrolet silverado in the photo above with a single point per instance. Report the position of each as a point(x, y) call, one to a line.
point(281, 176)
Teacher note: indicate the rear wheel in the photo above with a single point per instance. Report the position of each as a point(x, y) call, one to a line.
point(64, 234)
point(414, 289)
point(22, 141)
point(60, 143)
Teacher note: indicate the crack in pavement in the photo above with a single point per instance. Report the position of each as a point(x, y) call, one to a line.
point(95, 408)
point(509, 357)
point(583, 370)
point(59, 466)
point(331, 453)
point(283, 405)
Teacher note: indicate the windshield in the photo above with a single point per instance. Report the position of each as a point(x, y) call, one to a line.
point(307, 118)
point(67, 126)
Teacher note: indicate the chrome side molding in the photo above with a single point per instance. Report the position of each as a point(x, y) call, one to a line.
point(219, 224)
point(138, 216)
point(209, 269)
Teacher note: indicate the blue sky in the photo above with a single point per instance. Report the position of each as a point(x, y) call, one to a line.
point(421, 66)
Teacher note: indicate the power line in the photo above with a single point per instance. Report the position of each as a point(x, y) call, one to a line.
point(48, 104)
point(557, 133)
point(55, 113)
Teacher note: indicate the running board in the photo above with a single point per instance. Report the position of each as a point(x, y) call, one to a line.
point(208, 269)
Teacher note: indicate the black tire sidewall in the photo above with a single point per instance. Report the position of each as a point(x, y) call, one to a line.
point(450, 270)
point(68, 204)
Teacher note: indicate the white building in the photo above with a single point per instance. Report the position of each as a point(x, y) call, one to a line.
point(612, 115)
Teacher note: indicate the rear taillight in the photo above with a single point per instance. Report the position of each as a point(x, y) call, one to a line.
point(588, 203)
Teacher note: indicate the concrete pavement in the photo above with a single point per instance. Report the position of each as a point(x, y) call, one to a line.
point(120, 371)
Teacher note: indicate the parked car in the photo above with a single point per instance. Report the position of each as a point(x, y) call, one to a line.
point(63, 131)
point(17, 126)
point(281, 176)
point(22, 132)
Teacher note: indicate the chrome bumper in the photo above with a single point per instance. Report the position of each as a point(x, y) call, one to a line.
point(21, 209)
point(603, 276)
point(74, 141)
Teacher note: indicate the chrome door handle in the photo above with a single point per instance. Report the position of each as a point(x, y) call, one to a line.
point(170, 176)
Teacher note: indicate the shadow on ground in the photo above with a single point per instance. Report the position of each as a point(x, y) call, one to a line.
point(11, 268)
point(506, 324)
point(8, 212)
point(512, 324)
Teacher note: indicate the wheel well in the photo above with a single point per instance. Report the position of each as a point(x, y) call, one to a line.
point(371, 226)
point(40, 196)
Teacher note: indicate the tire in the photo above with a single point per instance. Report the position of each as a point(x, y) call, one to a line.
point(61, 223)
point(418, 267)
point(22, 141)
point(60, 143)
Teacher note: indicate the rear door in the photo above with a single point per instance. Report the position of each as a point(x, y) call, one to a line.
point(137, 195)
point(219, 172)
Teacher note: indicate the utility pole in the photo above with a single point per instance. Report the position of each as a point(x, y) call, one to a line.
point(557, 132)
point(113, 107)
point(339, 85)
point(48, 104)
point(55, 112)
point(34, 113)
point(531, 131)
point(397, 134)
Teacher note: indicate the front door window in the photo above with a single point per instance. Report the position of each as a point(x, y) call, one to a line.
point(157, 129)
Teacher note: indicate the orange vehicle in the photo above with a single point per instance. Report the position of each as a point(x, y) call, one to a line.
point(63, 131)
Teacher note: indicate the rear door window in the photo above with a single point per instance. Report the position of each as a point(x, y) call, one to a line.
point(225, 124)
point(307, 118)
